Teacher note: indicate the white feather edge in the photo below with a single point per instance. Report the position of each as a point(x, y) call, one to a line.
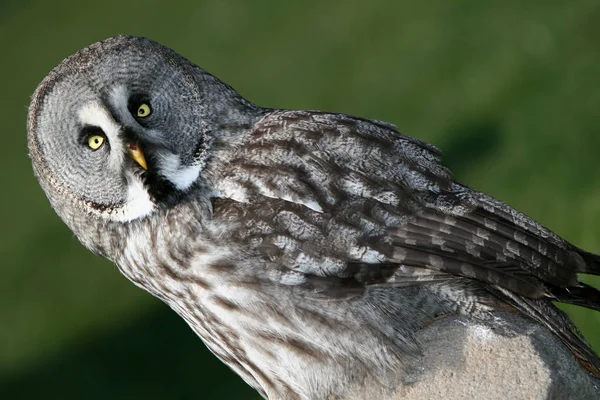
point(235, 191)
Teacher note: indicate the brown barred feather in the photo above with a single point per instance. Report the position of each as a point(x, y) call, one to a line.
point(307, 249)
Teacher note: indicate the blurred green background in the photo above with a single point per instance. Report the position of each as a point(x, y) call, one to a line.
point(510, 90)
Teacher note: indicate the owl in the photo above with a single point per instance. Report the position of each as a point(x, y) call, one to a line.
point(305, 248)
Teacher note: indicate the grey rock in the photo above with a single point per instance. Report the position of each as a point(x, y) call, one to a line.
point(520, 360)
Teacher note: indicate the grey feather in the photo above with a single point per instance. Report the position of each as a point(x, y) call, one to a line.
point(305, 248)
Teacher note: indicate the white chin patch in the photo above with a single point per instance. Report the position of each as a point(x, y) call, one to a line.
point(138, 203)
point(181, 177)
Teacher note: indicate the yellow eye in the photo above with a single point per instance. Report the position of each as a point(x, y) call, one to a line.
point(143, 110)
point(95, 142)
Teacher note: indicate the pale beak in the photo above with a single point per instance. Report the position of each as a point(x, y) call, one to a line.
point(138, 155)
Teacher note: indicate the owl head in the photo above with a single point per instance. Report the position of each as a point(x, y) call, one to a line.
point(125, 127)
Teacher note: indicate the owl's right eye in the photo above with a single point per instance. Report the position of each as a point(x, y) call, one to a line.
point(95, 142)
point(93, 137)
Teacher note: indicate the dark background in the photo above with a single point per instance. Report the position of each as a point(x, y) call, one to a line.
point(510, 90)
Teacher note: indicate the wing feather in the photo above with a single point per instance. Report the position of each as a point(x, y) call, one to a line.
point(349, 203)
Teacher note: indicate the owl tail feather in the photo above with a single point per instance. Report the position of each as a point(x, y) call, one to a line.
point(591, 265)
point(581, 295)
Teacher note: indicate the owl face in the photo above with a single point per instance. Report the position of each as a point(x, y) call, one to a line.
point(121, 128)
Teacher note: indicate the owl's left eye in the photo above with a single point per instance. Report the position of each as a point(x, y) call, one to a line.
point(143, 110)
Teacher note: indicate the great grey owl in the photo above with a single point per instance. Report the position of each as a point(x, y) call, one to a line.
point(305, 248)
